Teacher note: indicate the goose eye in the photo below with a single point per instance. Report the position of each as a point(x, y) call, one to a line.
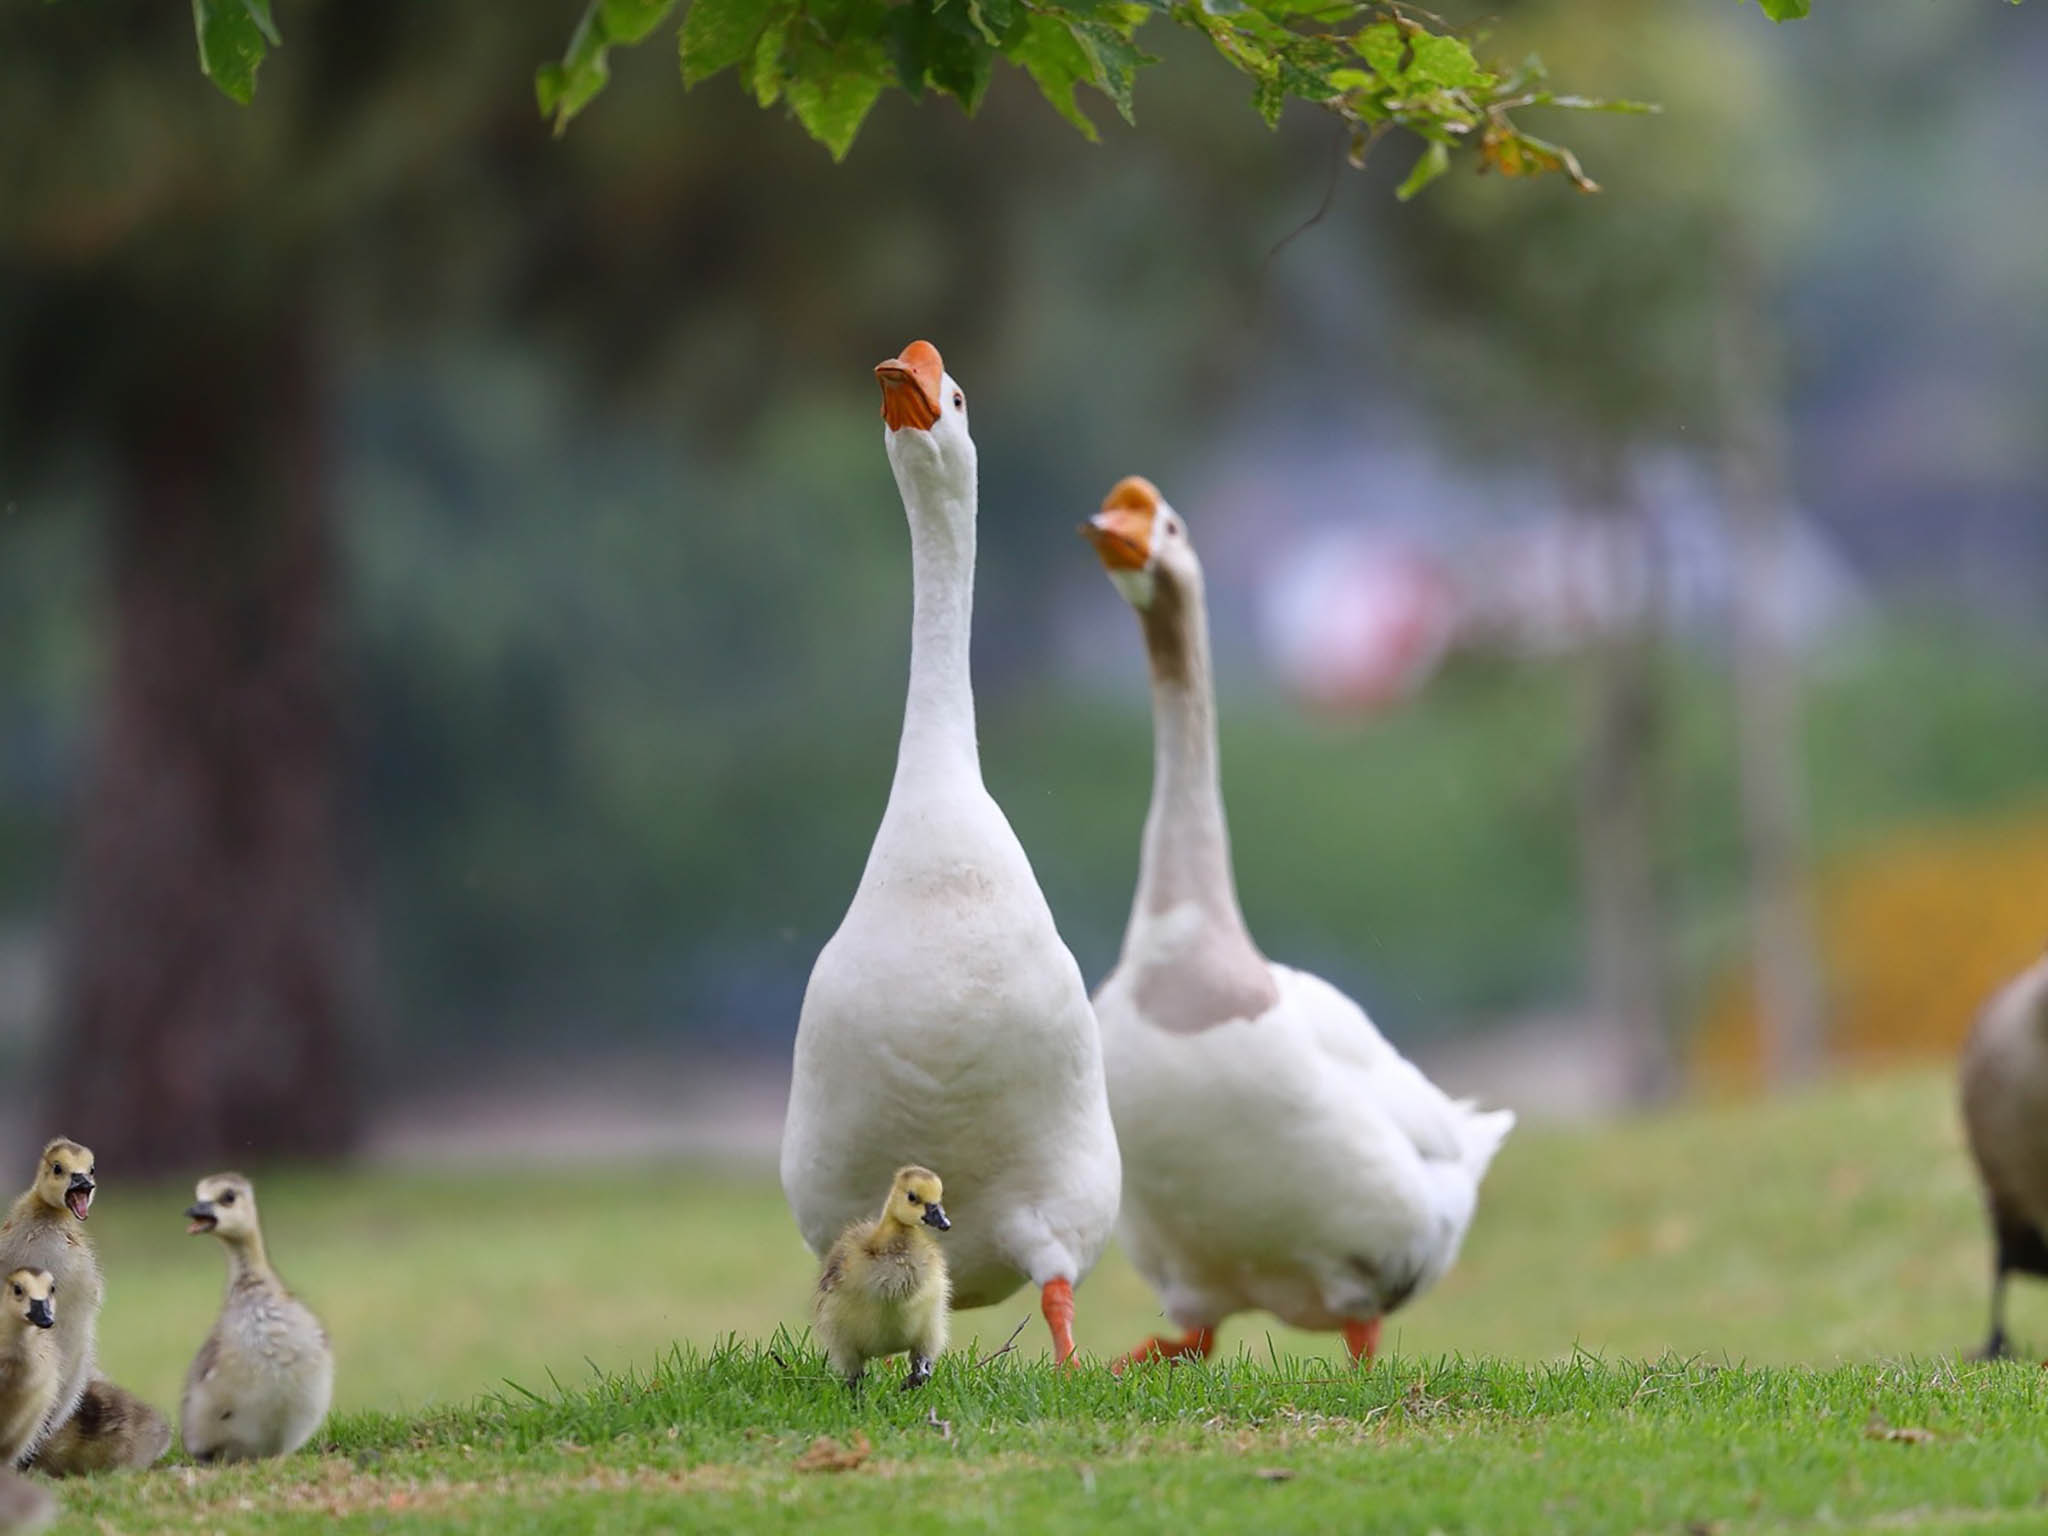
point(959, 401)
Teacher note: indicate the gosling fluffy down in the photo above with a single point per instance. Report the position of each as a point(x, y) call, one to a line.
point(884, 1288)
point(30, 1368)
point(264, 1377)
point(93, 1425)
point(46, 1230)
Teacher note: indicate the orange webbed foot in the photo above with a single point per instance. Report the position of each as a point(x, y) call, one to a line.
point(1195, 1344)
point(1363, 1340)
point(1058, 1301)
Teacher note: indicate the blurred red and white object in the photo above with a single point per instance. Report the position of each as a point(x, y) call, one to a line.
point(1353, 620)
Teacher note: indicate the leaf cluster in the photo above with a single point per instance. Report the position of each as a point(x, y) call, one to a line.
point(1377, 64)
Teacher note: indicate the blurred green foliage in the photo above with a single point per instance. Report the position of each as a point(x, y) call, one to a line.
point(1375, 64)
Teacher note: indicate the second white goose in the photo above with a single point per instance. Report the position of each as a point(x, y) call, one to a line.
point(1279, 1154)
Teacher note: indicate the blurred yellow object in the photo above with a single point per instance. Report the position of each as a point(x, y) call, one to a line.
point(1917, 934)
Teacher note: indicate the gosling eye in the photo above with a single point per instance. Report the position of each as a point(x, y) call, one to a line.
point(227, 1197)
point(913, 1199)
point(58, 1169)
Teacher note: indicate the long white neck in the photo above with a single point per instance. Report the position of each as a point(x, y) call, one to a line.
point(1186, 857)
point(938, 716)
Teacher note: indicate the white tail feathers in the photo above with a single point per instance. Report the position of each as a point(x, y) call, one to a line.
point(1480, 1133)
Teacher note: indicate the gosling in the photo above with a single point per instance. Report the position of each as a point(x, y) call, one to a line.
point(24, 1507)
point(29, 1365)
point(2005, 1112)
point(46, 1231)
point(884, 1288)
point(263, 1380)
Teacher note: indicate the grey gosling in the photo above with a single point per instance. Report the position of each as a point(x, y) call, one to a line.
point(111, 1430)
point(2005, 1111)
point(265, 1375)
point(93, 1426)
point(884, 1287)
point(24, 1507)
point(28, 1360)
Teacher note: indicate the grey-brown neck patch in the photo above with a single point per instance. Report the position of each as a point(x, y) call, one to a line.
point(1219, 976)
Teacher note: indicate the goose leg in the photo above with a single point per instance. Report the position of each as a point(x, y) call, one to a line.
point(1363, 1340)
point(920, 1372)
point(1996, 1347)
point(1195, 1344)
point(1058, 1301)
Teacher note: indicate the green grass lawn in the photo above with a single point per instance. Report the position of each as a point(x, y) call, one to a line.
point(1800, 1274)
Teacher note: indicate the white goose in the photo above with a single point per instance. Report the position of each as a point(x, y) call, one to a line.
point(1278, 1153)
point(946, 1024)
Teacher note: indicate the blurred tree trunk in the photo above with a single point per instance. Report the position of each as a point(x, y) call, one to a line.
point(1790, 997)
point(1620, 726)
point(211, 959)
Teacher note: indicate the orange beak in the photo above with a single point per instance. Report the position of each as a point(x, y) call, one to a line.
point(1122, 531)
point(910, 387)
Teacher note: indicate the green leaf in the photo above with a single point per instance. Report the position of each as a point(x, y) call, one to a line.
point(1269, 96)
point(717, 34)
point(959, 61)
point(764, 73)
point(1434, 160)
point(1056, 63)
point(1414, 60)
point(831, 108)
point(1000, 22)
point(233, 37)
point(259, 12)
point(1113, 61)
point(1786, 10)
point(565, 88)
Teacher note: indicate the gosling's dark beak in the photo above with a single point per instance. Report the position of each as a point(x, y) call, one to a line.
point(40, 1314)
point(80, 1182)
point(935, 1216)
point(202, 1217)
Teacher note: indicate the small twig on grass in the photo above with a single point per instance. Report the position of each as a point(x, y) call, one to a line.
point(1009, 1345)
point(772, 1355)
point(943, 1426)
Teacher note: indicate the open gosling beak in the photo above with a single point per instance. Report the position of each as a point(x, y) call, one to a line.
point(78, 1198)
point(910, 387)
point(40, 1314)
point(203, 1218)
point(935, 1216)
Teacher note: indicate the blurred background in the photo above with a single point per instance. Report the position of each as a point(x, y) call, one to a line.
point(454, 606)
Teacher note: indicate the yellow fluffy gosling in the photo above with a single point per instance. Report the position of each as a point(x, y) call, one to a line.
point(884, 1288)
point(30, 1369)
point(265, 1375)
